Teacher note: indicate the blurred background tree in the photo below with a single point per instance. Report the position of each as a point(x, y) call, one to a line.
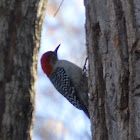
point(20, 31)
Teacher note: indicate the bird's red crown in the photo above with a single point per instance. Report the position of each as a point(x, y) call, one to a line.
point(46, 61)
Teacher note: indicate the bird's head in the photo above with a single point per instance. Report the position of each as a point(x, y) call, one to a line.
point(48, 60)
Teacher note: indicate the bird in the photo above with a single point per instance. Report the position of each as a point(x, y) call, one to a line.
point(68, 79)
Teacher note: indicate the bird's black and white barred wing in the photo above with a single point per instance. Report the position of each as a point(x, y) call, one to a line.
point(64, 85)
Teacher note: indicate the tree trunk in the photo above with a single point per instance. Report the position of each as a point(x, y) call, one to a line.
point(20, 29)
point(113, 47)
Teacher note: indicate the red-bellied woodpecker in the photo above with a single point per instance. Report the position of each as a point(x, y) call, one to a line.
point(67, 78)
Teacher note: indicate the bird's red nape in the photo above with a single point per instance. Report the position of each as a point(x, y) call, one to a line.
point(45, 63)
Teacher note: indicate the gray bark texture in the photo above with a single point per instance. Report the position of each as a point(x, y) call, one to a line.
point(113, 47)
point(20, 30)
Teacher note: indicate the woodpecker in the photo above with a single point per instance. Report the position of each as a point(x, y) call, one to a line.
point(67, 78)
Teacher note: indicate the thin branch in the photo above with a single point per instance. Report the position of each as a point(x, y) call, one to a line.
point(58, 8)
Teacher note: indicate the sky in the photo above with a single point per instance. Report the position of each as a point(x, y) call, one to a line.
point(55, 117)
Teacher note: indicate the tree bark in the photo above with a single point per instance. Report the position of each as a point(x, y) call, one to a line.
point(20, 29)
point(113, 47)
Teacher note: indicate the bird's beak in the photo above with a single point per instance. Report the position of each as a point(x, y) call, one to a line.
point(57, 48)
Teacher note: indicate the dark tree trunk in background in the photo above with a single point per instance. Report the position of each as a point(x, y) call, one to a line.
point(113, 46)
point(20, 29)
